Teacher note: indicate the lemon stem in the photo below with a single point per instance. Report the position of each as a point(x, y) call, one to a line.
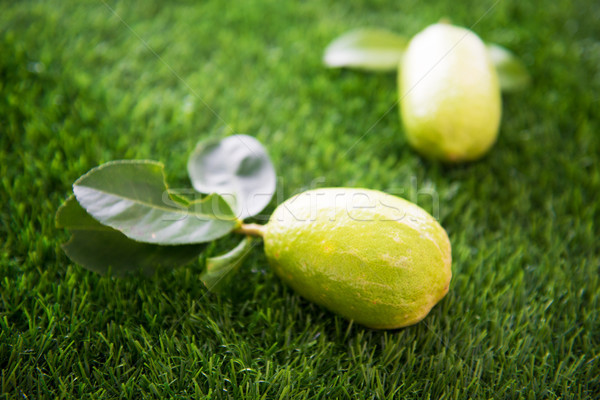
point(251, 230)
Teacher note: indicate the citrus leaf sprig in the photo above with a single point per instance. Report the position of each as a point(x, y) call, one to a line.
point(220, 269)
point(124, 216)
point(375, 49)
point(237, 167)
point(369, 49)
point(98, 247)
point(132, 197)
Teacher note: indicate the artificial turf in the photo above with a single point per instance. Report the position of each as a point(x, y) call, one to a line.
point(83, 83)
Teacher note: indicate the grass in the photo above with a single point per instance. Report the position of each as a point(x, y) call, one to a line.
point(83, 83)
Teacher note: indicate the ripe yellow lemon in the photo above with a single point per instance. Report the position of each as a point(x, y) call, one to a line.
point(450, 100)
point(366, 255)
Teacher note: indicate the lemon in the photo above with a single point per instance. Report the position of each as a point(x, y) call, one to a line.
point(450, 100)
point(366, 255)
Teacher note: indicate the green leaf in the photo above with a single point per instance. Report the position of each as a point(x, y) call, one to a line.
point(220, 269)
point(132, 197)
point(512, 73)
point(237, 168)
point(368, 49)
point(98, 247)
point(179, 197)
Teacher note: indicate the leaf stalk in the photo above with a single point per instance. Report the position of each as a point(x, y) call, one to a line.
point(251, 230)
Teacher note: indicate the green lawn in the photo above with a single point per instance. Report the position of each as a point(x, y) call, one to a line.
point(85, 82)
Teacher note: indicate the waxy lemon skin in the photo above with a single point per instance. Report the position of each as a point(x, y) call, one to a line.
point(368, 256)
point(450, 101)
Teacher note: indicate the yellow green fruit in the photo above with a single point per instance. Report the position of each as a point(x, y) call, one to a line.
point(366, 255)
point(450, 99)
